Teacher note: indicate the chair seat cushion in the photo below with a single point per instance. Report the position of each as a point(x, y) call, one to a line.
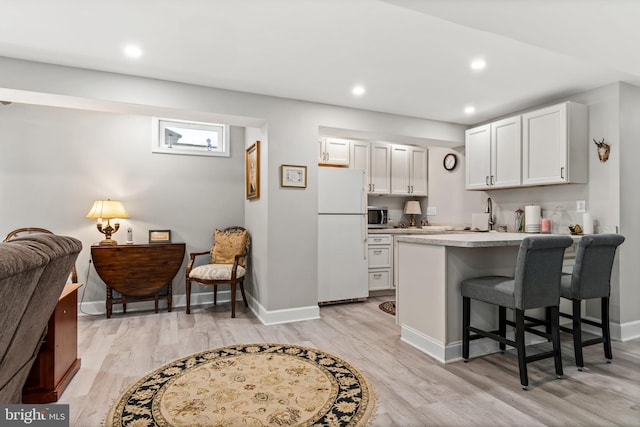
point(499, 290)
point(216, 272)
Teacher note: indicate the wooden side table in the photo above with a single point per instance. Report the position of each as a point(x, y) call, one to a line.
point(57, 361)
point(138, 272)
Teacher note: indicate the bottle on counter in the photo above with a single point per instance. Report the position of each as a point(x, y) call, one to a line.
point(560, 221)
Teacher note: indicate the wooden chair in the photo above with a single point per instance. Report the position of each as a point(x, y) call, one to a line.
point(34, 230)
point(227, 265)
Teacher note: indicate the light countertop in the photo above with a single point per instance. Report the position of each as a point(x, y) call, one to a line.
point(471, 239)
point(432, 230)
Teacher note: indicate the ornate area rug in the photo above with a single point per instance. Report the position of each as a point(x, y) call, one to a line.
point(388, 307)
point(249, 385)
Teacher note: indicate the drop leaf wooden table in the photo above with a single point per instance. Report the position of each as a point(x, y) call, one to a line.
point(138, 272)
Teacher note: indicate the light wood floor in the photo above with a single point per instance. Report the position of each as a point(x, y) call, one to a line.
point(412, 388)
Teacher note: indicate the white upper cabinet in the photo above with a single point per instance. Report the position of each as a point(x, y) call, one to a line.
point(392, 168)
point(506, 148)
point(408, 170)
point(375, 158)
point(478, 157)
point(493, 155)
point(555, 145)
point(333, 151)
point(546, 146)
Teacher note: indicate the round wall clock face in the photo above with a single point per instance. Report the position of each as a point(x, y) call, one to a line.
point(450, 161)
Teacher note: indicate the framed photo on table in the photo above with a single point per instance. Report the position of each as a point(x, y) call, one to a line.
point(159, 236)
point(293, 176)
point(252, 170)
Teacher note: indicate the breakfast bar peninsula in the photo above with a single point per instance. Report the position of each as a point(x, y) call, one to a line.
point(429, 269)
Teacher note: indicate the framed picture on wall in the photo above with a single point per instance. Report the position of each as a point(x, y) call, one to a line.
point(293, 176)
point(252, 170)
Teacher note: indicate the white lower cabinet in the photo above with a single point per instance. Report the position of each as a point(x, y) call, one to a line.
point(380, 251)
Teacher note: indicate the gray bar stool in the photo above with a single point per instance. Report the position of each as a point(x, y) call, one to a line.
point(591, 278)
point(536, 284)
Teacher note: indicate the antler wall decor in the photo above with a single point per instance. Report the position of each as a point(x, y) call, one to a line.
point(603, 150)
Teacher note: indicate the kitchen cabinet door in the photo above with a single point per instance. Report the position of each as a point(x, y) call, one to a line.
point(380, 168)
point(400, 169)
point(506, 159)
point(418, 171)
point(478, 158)
point(408, 170)
point(333, 151)
point(555, 145)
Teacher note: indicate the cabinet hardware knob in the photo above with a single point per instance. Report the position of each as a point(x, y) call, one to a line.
point(486, 180)
point(562, 172)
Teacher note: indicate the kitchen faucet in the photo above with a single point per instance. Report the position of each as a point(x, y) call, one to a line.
point(490, 212)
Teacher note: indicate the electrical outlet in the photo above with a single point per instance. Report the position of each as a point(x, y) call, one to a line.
point(432, 210)
point(581, 206)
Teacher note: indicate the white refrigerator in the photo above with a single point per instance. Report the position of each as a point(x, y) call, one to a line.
point(342, 235)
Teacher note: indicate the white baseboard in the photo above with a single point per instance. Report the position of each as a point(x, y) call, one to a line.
point(619, 331)
point(453, 352)
point(96, 308)
point(424, 343)
point(274, 317)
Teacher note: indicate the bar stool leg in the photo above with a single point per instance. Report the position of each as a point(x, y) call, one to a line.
point(606, 333)
point(522, 356)
point(577, 333)
point(554, 313)
point(502, 326)
point(466, 321)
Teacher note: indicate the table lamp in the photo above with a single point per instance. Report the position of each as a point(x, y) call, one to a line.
point(412, 208)
point(109, 210)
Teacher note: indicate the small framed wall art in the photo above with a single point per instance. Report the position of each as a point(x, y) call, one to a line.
point(252, 170)
point(159, 236)
point(293, 176)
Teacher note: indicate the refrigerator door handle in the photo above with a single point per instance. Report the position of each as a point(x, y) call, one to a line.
point(364, 240)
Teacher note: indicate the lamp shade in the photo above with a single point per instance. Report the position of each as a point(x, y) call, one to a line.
point(412, 207)
point(107, 209)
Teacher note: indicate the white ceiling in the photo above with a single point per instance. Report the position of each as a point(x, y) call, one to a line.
point(412, 55)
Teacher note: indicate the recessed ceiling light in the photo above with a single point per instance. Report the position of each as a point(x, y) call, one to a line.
point(478, 64)
point(470, 109)
point(358, 90)
point(133, 51)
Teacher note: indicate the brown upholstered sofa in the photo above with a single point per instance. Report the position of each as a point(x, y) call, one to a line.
point(33, 272)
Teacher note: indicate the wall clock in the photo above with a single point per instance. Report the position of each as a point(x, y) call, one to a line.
point(450, 161)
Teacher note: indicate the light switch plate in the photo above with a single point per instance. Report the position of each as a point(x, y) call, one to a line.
point(581, 206)
point(432, 210)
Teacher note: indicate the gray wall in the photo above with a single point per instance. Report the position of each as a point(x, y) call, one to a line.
point(282, 221)
point(55, 161)
point(629, 146)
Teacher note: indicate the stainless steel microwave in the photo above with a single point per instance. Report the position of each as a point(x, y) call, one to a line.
point(378, 217)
